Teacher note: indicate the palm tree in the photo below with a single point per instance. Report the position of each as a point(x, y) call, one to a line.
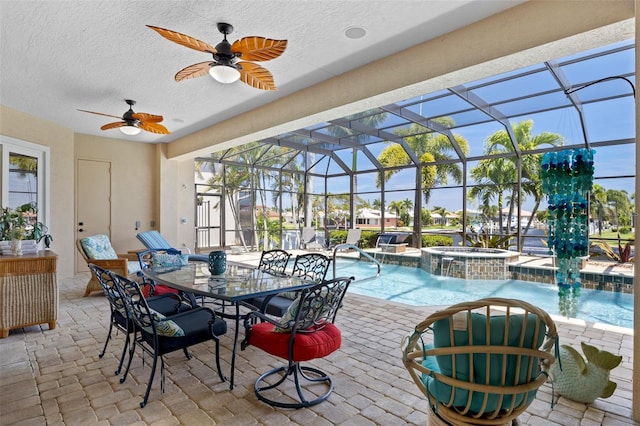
point(236, 180)
point(293, 185)
point(497, 171)
point(494, 178)
point(407, 205)
point(428, 147)
point(598, 197)
point(396, 207)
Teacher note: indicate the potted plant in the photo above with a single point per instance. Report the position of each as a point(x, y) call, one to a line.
point(15, 225)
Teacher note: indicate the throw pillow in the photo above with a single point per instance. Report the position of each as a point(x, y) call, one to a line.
point(165, 326)
point(317, 309)
point(169, 260)
point(286, 321)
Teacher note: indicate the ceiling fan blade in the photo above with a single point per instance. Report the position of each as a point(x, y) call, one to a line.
point(154, 128)
point(100, 113)
point(258, 48)
point(193, 71)
point(184, 40)
point(143, 116)
point(113, 125)
point(256, 76)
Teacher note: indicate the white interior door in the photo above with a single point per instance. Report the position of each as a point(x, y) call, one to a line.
point(93, 211)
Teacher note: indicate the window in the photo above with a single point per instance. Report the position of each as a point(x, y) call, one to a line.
point(25, 175)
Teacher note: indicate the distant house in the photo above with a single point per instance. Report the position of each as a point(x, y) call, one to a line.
point(369, 218)
point(445, 220)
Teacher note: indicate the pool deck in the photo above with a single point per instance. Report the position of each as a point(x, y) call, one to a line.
point(55, 376)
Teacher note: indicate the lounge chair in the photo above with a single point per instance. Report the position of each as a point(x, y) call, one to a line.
point(154, 240)
point(308, 240)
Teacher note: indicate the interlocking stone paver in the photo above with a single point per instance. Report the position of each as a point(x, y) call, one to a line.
point(58, 374)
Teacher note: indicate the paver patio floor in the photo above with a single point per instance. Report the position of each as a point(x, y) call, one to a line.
point(55, 376)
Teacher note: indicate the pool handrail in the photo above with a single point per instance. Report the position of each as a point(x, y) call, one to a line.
point(345, 246)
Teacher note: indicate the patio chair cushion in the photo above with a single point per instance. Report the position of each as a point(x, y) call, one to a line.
point(98, 247)
point(483, 373)
point(153, 239)
point(306, 346)
point(169, 260)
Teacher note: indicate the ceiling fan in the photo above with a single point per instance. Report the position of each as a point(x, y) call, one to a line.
point(132, 122)
point(230, 61)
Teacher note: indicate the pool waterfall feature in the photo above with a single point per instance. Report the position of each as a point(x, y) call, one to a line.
point(468, 262)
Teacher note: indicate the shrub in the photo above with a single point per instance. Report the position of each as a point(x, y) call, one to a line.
point(623, 255)
point(436, 240)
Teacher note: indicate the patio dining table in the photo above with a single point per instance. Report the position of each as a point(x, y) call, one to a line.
point(239, 284)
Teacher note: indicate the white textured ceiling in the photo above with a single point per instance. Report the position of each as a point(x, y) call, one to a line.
point(61, 56)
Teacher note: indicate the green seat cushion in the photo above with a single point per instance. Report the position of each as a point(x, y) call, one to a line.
point(459, 366)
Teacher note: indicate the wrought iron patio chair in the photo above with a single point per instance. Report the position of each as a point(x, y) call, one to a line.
point(158, 335)
point(165, 304)
point(306, 331)
point(311, 266)
point(167, 259)
point(274, 261)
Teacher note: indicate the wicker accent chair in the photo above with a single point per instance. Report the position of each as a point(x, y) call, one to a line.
point(97, 249)
point(305, 332)
point(485, 360)
point(158, 335)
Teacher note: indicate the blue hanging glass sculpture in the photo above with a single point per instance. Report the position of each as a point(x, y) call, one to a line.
point(567, 179)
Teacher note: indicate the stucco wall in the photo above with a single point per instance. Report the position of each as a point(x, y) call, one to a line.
point(60, 140)
point(132, 185)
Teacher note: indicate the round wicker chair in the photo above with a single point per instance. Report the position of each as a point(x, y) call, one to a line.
point(484, 362)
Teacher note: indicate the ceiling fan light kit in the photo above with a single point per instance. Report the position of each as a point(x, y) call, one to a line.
point(130, 130)
point(133, 122)
point(224, 73)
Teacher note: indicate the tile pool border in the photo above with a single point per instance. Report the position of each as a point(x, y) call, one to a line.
point(595, 280)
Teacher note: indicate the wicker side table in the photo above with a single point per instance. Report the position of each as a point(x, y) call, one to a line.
point(28, 291)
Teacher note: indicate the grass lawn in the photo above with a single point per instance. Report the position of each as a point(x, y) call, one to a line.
point(612, 236)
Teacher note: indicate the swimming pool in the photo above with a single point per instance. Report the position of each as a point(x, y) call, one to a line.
point(413, 286)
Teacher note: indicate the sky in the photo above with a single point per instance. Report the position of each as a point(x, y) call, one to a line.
point(605, 121)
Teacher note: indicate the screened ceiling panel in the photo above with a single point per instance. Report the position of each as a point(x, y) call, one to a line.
point(446, 103)
point(585, 71)
point(606, 109)
point(526, 85)
point(543, 102)
point(465, 118)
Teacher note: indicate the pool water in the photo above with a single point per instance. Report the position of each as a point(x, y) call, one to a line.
point(413, 286)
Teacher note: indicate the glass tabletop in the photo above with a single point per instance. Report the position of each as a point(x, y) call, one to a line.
point(239, 282)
